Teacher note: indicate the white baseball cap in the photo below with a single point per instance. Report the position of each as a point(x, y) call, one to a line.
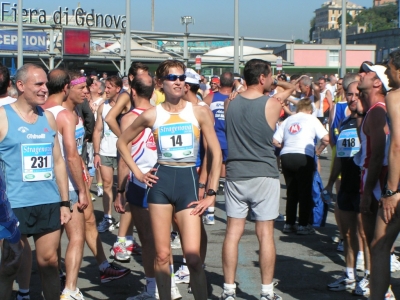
point(380, 72)
point(192, 76)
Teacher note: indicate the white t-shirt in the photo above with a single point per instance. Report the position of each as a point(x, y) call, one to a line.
point(7, 100)
point(297, 133)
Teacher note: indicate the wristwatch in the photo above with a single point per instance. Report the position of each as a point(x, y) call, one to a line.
point(388, 193)
point(211, 192)
point(67, 203)
point(121, 191)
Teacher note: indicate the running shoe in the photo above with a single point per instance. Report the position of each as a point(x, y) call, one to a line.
point(105, 225)
point(209, 219)
point(280, 218)
point(228, 295)
point(117, 224)
point(100, 191)
point(221, 189)
point(342, 284)
point(143, 296)
point(174, 293)
point(360, 264)
point(76, 295)
point(269, 297)
point(175, 241)
point(113, 272)
point(119, 252)
point(287, 228)
point(394, 263)
point(389, 294)
point(22, 296)
point(304, 230)
point(362, 287)
point(133, 248)
point(93, 198)
point(182, 275)
point(340, 246)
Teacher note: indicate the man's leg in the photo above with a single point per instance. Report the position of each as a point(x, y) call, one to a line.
point(24, 273)
point(265, 235)
point(46, 255)
point(348, 226)
point(384, 237)
point(9, 273)
point(234, 231)
point(107, 174)
point(75, 230)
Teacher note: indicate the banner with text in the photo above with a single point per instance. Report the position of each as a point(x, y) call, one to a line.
point(31, 41)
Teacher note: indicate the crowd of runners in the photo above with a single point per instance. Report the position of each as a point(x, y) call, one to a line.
point(176, 141)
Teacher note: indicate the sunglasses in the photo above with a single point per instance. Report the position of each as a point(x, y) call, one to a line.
point(361, 70)
point(173, 77)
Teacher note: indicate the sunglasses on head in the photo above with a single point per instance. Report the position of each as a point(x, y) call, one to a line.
point(367, 63)
point(173, 77)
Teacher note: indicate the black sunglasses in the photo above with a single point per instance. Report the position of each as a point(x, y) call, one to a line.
point(173, 77)
point(361, 70)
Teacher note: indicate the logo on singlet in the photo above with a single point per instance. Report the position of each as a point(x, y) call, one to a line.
point(35, 136)
point(23, 129)
point(294, 128)
point(150, 143)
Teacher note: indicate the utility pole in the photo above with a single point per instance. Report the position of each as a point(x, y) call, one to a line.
point(343, 40)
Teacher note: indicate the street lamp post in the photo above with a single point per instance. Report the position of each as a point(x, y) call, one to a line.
point(186, 20)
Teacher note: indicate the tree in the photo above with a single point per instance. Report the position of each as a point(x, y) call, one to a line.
point(299, 41)
point(378, 18)
point(349, 19)
point(312, 28)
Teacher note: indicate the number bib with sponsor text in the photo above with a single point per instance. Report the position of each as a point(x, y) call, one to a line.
point(176, 140)
point(37, 162)
point(348, 143)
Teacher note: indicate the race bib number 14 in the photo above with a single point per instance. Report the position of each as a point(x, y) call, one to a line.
point(37, 162)
point(176, 140)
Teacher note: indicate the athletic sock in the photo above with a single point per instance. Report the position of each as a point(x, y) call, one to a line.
point(171, 269)
point(350, 273)
point(104, 265)
point(121, 239)
point(229, 288)
point(267, 289)
point(360, 254)
point(151, 285)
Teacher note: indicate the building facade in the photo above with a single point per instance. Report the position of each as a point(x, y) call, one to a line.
point(384, 2)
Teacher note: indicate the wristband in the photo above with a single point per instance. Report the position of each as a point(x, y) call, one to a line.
point(361, 114)
point(201, 185)
point(121, 191)
point(94, 154)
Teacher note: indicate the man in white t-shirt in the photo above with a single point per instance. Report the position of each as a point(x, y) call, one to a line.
point(332, 85)
point(5, 83)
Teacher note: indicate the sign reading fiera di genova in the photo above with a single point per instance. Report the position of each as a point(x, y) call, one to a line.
point(8, 13)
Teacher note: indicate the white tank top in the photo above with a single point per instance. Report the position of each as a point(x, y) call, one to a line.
point(143, 151)
point(79, 136)
point(108, 144)
point(177, 135)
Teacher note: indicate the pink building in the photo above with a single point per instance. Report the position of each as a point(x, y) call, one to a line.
point(325, 56)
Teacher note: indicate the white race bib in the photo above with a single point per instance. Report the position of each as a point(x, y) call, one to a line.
point(176, 140)
point(79, 135)
point(37, 162)
point(348, 143)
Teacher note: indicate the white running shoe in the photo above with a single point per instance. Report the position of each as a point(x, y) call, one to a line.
point(342, 284)
point(119, 252)
point(77, 295)
point(174, 293)
point(182, 275)
point(394, 263)
point(209, 219)
point(99, 190)
point(362, 287)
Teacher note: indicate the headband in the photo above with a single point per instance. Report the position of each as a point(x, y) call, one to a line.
point(78, 81)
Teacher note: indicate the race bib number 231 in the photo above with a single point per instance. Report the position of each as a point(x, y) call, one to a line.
point(37, 162)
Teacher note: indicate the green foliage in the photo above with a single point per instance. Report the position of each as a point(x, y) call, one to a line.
point(378, 18)
point(349, 19)
point(312, 28)
point(299, 41)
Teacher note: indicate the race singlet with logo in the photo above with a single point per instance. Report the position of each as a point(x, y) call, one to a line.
point(37, 162)
point(176, 140)
point(348, 143)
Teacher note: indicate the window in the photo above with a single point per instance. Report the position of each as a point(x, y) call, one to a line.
point(333, 60)
point(333, 18)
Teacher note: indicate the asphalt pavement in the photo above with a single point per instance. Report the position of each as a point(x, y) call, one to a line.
point(304, 264)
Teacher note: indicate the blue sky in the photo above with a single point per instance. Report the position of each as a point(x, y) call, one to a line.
point(274, 19)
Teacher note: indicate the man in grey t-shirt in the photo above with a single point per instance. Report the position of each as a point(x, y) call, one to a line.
point(251, 171)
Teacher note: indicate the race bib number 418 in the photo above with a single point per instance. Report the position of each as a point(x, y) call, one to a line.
point(37, 162)
point(176, 140)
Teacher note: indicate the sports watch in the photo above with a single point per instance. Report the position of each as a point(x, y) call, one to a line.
point(211, 192)
point(67, 203)
point(388, 193)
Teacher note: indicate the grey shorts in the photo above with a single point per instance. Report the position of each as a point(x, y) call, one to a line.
point(74, 196)
point(261, 194)
point(109, 161)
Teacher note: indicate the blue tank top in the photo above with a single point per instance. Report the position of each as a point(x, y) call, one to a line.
point(26, 157)
point(217, 107)
point(340, 114)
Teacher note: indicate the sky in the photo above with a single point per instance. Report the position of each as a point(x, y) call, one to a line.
point(270, 19)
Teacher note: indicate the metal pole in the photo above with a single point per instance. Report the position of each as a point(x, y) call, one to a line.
point(343, 40)
point(152, 15)
point(20, 36)
point(185, 49)
point(128, 37)
point(51, 59)
point(236, 39)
